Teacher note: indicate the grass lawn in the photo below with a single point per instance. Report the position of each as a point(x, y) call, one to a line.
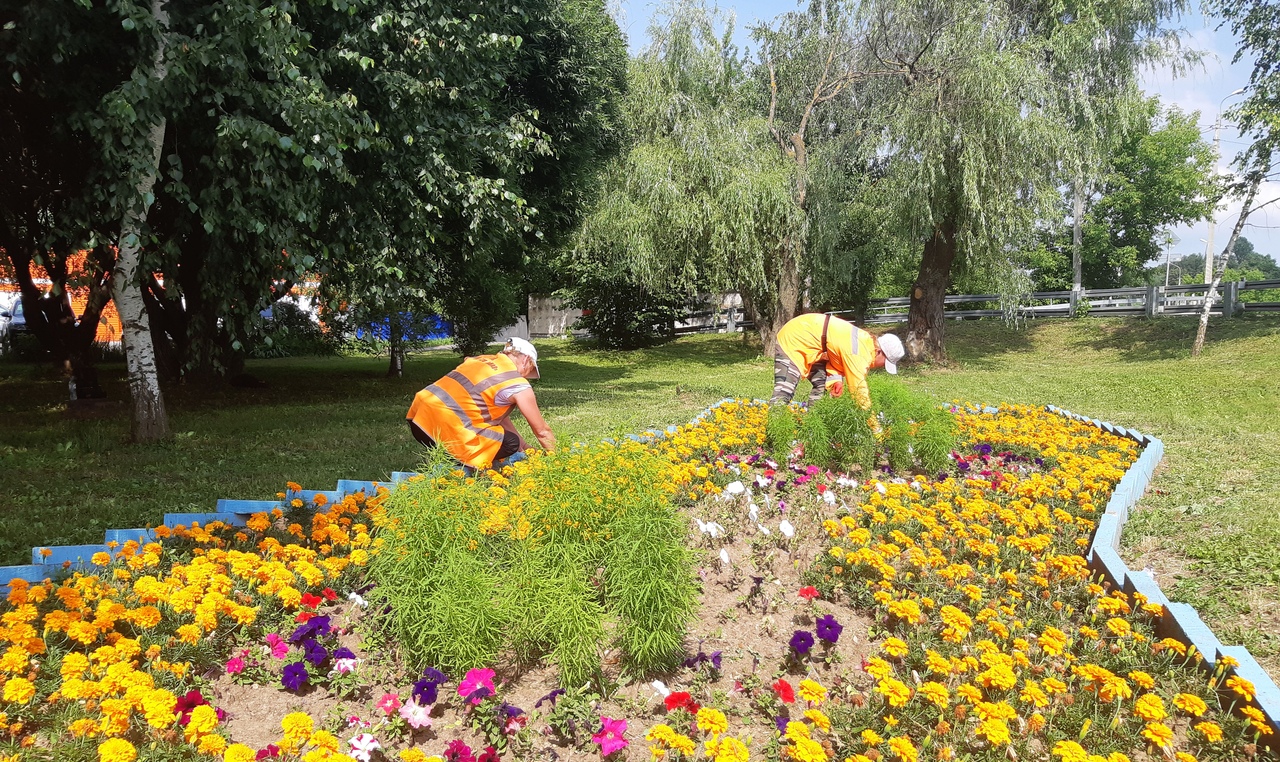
point(1210, 527)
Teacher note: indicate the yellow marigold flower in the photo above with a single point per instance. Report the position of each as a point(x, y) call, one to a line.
point(211, 745)
point(203, 720)
point(323, 739)
point(413, 755)
point(731, 749)
point(895, 692)
point(1241, 686)
point(1211, 731)
point(811, 691)
point(1070, 751)
point(996, 731)
point(190, 634)
point(903, 749)
point(1052, 641)
point(1183, 756)
point(936, 663)
point(880, 669)
point(1119, 627)
point(871, 738)
point(238, 752)
point(935, 692)
point(895, 647)
point(712, 721)
point(116, 750)
point(100, 559)
point(1174, 645)
point(1192, 705)
point(1147, 682)
point(796, 731)
point(819, 720)
point(807, 750)
point(1150, 708)
point(1158, 734)
point(19, 690)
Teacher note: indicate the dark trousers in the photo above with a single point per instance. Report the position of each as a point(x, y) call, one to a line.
point(786, 375)
point(510, 441)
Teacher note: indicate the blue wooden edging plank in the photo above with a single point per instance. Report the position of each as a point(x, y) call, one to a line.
point(1143, 582)
point(352, 486)
point(172, 520)
point(247, 507)
point(59, 554)
point(34, 573)
point(140, 536)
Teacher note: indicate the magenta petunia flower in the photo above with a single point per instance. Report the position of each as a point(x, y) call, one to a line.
point(610, 736)
point(473, 682)
point(389, 703)
point(235, 665)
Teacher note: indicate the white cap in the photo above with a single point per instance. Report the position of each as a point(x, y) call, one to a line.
point(893, 352)
point(525, 348)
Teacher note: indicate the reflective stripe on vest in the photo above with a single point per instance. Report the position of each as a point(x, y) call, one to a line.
point(475, 389)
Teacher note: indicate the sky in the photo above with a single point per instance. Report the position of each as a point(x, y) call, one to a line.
point(1202, 90)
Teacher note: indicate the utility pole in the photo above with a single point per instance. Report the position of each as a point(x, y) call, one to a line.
point(1170, 240)
point(1217, 151)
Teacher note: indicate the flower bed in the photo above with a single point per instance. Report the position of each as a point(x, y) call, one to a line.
point(929, 618)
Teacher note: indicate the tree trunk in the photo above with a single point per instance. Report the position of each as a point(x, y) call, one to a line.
point(1077, 240)
point(395, 341)
point(926, 319)
point(1212, 294)
point(150, 422)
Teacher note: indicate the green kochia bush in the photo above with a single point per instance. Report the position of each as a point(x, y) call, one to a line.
point(591, 551)
point(915, 431)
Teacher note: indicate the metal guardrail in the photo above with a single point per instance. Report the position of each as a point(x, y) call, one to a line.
point(1146, 301)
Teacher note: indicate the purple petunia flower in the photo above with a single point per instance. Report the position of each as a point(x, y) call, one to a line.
point(551, 697)
point(314, 652)
point(315, 626)
point(510, 710)
point(828, 628)
point(781, 721)
point(344, 653)
point(431, 674)
point(802, 642)
point(479, 694)
point(715, 660)
point(425, 692)
point(295, 676)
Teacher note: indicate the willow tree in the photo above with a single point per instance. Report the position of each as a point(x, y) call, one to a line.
point(1003, 103)
point(702, 198)
point(973, 141)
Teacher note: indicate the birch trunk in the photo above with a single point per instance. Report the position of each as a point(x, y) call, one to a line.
point(1226, 255)
point(1077, 240)
point(150, 422)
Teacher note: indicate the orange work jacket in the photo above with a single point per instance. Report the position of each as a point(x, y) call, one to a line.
point(850, 350)
point(460, 411)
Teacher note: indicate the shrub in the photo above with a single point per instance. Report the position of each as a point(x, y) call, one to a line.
point(904, 429)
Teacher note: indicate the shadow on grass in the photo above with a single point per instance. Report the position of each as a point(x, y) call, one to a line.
point(1169, 338)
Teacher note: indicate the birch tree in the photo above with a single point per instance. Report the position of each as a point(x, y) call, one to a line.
point(150, 422)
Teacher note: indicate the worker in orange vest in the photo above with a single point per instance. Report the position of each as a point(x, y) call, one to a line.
point(468, 412)
point(810, 344)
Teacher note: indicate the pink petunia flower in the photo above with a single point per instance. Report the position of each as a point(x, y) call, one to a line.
point(417, 715)
point(473, 682)
point(235, 665)
point(389, 703)
point(610, 736)
point(279, 646)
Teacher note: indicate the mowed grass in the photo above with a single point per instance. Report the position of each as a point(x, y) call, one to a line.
point(1210, 526)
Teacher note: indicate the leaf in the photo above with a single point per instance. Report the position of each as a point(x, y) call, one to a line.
point(286, 142)
point(127, 23)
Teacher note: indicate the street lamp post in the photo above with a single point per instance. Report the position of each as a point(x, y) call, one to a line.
point(1217, 146)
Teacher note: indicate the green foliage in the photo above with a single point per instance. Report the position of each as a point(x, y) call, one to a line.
point(619, 313)
point(291, 332)
point(566, 553)
point(911, 430)
point(836, 433)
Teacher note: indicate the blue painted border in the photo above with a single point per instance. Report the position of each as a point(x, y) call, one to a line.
point(1181, 621)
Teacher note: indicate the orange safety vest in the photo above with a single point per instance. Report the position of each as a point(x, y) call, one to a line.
point(460, 411)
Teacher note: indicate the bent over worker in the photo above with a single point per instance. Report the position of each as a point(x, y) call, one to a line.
point(809, 345)
point(468, 412)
